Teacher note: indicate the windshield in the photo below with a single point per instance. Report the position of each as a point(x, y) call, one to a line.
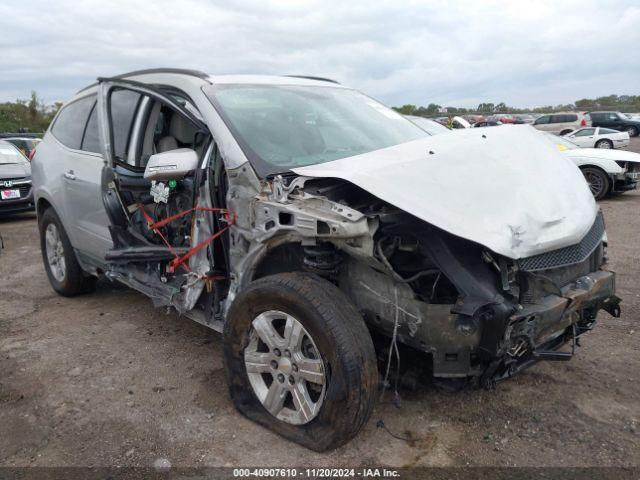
point(429, 126)
point(9, 154)
point(280, 127)
point(560, 142)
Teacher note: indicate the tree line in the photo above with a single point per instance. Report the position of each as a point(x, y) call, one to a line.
point(623, 103)
point(27, 116)
point(34, 116)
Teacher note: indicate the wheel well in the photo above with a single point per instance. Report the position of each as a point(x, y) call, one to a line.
point(42, 205)
point(284, 258)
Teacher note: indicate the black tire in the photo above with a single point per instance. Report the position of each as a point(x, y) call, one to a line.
point(633, 131)
point(598, 181)
point(342, 339)
point(75, 281)
point(603, 142)
point(564, 132)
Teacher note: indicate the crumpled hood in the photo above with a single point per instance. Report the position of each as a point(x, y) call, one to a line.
point(608, 154)
point(15, 170)
point(506, 188)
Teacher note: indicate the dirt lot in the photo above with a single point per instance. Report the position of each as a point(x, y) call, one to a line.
point(105, 380)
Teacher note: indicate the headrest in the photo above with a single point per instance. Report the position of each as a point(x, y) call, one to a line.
point(181, 128)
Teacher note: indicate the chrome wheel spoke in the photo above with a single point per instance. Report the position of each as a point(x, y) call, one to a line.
point(311, 370)
point(264, 328)
point(293, 334)
point(302, 401)
point(276, 395)
point(257, 362)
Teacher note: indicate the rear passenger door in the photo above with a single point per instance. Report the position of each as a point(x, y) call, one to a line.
point(78, 200)
point(85, 183)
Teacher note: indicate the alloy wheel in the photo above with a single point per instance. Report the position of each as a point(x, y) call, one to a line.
point(596, 183)
point(55, 253)
point(285, 368)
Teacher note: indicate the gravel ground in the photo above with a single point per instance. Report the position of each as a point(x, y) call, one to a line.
point(107, 380)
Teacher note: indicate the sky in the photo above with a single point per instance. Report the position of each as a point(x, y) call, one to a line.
point(452, 53)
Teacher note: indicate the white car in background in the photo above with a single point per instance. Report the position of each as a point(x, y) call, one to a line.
point(606, 171)
point(599, 137)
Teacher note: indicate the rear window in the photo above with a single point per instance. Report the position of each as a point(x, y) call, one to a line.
point(9, 154)
point(69, 126)
point(607, 131)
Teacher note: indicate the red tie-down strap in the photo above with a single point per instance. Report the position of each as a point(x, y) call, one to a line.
point(229, 218)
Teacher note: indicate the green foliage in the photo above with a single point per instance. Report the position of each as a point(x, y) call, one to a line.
point(27, 115)
point(624, 103)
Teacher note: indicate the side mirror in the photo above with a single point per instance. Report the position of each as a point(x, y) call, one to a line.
point(171, 165)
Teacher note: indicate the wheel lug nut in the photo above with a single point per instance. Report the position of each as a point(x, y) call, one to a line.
point(274, 364)
point(276, 352)
point(287, 353)
point(294, 367)
point(280, 378)
point(292, 380)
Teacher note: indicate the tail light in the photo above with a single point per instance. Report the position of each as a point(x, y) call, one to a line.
point(31, 154)
point(583, 122)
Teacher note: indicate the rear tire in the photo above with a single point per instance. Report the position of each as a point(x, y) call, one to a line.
point(60, 262)
point(338, 335)
point(598, 182)
point(604, 144)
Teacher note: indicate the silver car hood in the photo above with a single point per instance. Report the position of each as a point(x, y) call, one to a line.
point(506, 188)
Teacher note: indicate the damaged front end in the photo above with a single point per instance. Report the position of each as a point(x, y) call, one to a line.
point(478, 314)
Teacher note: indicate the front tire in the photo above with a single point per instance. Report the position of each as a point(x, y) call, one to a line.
point(60, 262)
point(598, 181)
point(604, 144)
point(564, 132)
point(299, 360)
point(633, 131)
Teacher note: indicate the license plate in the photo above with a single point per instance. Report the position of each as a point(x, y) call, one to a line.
point(9, 194)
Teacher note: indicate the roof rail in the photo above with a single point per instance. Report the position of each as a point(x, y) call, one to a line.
point(182, 71)
point(308, 77)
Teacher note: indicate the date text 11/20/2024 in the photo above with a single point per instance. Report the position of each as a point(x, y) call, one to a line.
point(316, 472)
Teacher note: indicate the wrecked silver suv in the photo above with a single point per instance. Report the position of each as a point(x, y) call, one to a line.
point(302, 219)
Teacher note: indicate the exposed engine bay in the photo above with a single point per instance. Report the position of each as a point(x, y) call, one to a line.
point(478, 314)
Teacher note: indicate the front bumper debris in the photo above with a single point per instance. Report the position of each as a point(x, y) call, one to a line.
point(537, 331)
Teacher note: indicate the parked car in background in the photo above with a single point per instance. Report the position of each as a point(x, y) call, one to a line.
point(430, 126)
point(488, 123)
point(16, 194)
point(25, 144)
point(561, 123)
point(598, 137)
point(616, 121)
point(524, 118)
point(606, 171)
point(504, 118)
point(459, 122)
point(473, 119)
